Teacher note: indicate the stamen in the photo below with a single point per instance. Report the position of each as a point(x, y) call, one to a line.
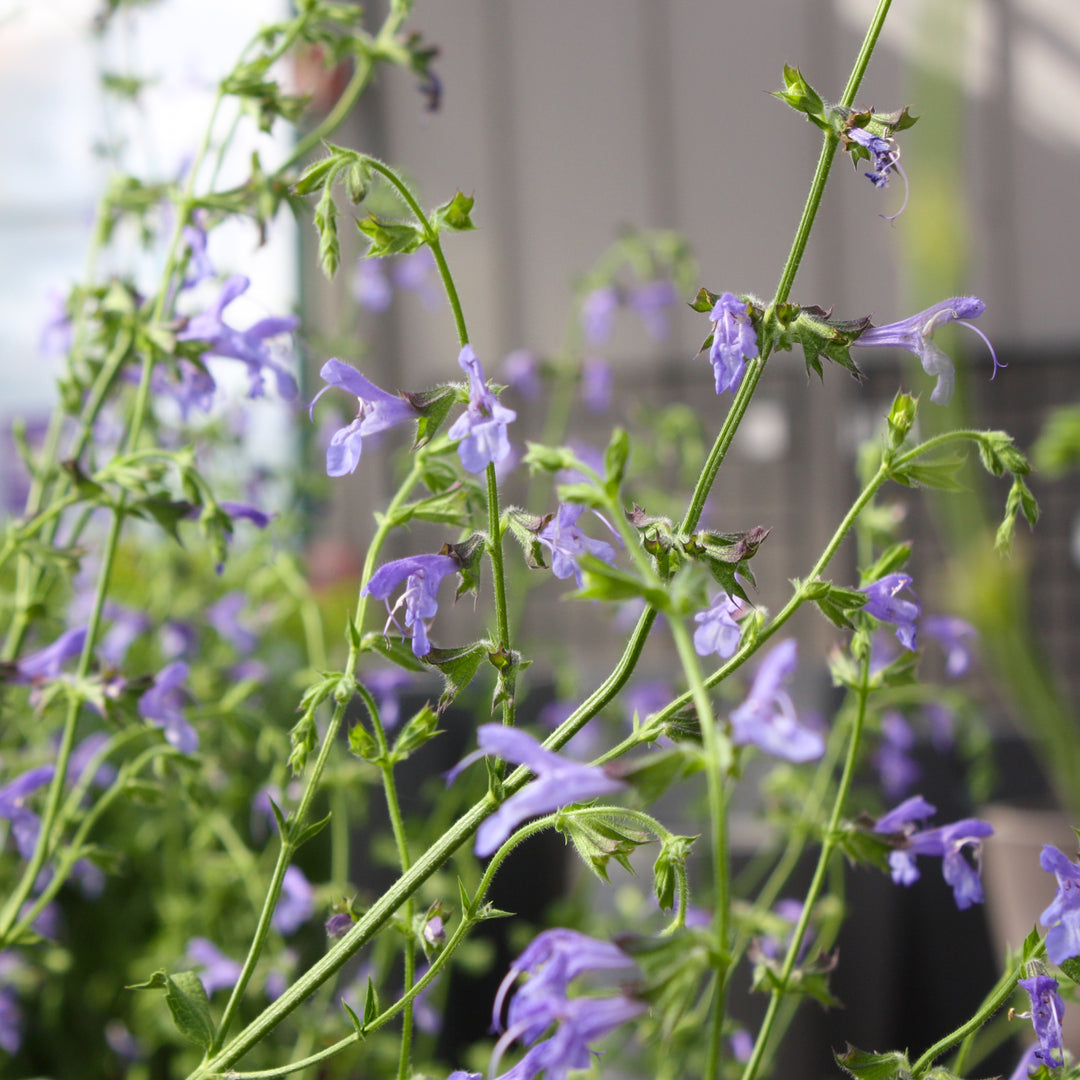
point(997, 363)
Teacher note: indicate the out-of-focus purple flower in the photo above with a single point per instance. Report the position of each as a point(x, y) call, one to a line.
point(941, 720)
point(199, 265)
point(1028, 1062)
point(338, 925)
point(223, 616)
point(47, 664)
point(717, 631)
point(163, 706)
point(1063, 914)
point(461, 1074)
point(1047, 1009)
point(567, 543)
point(127, 627)
point(250, 346)
point(596, 384)
point(385, 684)
point(377, 411)
point(558, 782)
point(647, 697)
point(774, 946)
point(82, 756)
point(587, 454)
point(955, 637)
point(553, 960)
point(178, 639)
point(416, 272)
point(422, 575)
point(11, 1017)
point(24, 823)
point(734, 341)
point(915, 332)
point(885, 154)
point(56, 331)
point(216, 970)
point(742, 1045)
point(651, 302)
point(245, 511)
point(296, 904)
point(482, 426)
point(555, 712)
point(371, 288)
point(947, 842)
point(122, 1043)
point(598, 314)
point(898, 771)
point(521, 370)
point(884, 603)
point(767, 717)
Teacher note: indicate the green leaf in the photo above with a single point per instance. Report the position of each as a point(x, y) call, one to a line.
point(540, 458)
point(652, 774)
point(861, 845)
point(420, 729)
point(310, 832)
point(939, 473)
point(864, 1066)
point(353, 1019)
point(433, 407)
point(836, 603)
point(454, 214)
point(457, 666)
point(371, 1002)
point(603, 582)
point(674, 851)
point(190, 1007)
point(1057, 449)
point(362, 743)
point(599, 838)
point(703, 302)
point(396, 650)
point(390, 237)
point(615, 458)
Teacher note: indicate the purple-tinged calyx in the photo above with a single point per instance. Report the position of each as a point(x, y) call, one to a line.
point(377, 410)
point(734, 341)
point(422, 575)
point(558, 782)
point(481, 428)
point(884, 602)
point(915, 333)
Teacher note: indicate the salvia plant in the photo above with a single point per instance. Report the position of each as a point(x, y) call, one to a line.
point(218, 856)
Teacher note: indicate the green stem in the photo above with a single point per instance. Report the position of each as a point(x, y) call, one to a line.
point(828, 846)
point(718, 761)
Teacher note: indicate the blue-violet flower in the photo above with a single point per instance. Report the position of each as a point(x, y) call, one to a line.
point(734, 341)
point(1047, 1009)
point(422, 575)
point(954, 636)
point(767, 717)
point(717, 630)
point(377, 411)
point(1063, 914)
point(163, 706)
point(914, 334)
point(567, 543)
point(882, 602)
point(482, 426)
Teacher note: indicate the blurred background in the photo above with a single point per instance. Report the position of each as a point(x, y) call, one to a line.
point(569, 121)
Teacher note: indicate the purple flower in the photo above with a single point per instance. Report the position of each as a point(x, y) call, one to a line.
point(422, 575)
point(296, 904)
point(742, 1045)
point(717, 630)
point(767, 717)
point(645, 698)
point(385, 685)
point(915, 332)
point(954, 636)
point(247, 512)
point(216, 970)
point(596, 384)
point(482, 427)
point(127, 627)
point(47, 664)
point(1063, 914)
point(772, 946)
point(11, 1020)
point(223, 617)
point(947, 842)
point(377, 411)
point(941, 720)
point(163, 706)
point(882, 602)
point(461, 1074)
point(521, 370)
point(651, 302)
point(734, 341)
point(249, 346)
point(885, 154)
point(370, 287)
point(338, 925)
point(896, 768)
point(24, 823)
point(1047, 1009)
point(553, 960)
point(567, 543)
point(199, 265)
point(1028, 1061)
point(56, 331)
point(435, 930)
point(558, 782)
point(415, 273)
point(598, 314)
